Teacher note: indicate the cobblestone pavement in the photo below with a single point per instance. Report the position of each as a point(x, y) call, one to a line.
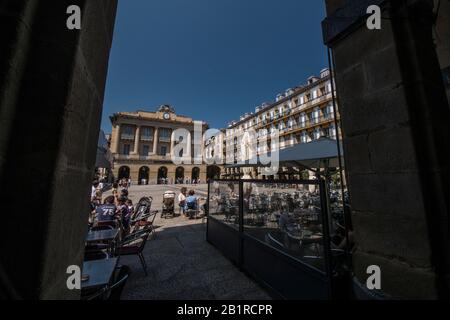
point(181, 264)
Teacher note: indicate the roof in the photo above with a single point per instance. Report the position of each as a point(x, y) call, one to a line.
point(316, 154)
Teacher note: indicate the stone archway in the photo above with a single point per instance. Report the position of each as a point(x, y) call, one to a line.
point(162, 175)
point(179, 175)
point(195, 173)
point(124, 173)
point(213, 172)
point(144, 176)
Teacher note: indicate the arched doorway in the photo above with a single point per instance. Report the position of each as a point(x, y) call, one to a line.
point(162, 175)
point(179, 175)
point(213, 172)
point(195, 173)
point(124, 173)
point(144, 175)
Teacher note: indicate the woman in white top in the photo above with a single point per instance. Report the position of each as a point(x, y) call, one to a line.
point(182, 199)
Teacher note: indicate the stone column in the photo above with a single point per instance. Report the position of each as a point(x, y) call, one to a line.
point(115, 140)
point(188, 155)
point(137, 140)
point(155, 140)
point(394, 114)
point(442, 43)
point(172, 143)
point(50, 147)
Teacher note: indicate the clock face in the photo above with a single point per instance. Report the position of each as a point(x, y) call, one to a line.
point(166, 116)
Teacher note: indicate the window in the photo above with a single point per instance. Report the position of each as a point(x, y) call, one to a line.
point(126, 149)
point(308, 98)
point(317, 133)
point(164, 135)
point(328, 112)
point(163, 151)
point(304, 137)
point(145, 150)
point(315, 116)
point(302, 120)
point(127, 132)
point(332, 132)
point(147, 133)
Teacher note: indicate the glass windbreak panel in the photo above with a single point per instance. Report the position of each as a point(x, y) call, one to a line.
point(224, 202)
point(287, 217)
point(341, 229)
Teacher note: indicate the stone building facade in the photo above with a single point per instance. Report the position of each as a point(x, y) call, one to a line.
point(301, 115)
point(142, 144)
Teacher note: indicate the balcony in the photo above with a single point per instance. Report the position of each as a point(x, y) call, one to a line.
point(159, 157)
point(310, 123)
point(164, 139)
point(123, 157)
point(147, 138)
point(126, 136)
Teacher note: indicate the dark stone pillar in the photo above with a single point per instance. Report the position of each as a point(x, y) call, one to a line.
point(52, 84)
point(395, 116)
point(442, 41)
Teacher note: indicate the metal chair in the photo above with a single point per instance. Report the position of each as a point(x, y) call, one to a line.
point(134, 244)
point(116, 289)
point(94, 294)
point(111, 292)
point(144, 222)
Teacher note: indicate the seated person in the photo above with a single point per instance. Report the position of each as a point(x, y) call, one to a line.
point(124, 193)
point(124, 213)
point(107, 211)
point(286, 223)
point(192, 201)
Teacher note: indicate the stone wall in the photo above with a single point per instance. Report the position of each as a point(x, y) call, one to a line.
point(393, 181)
point(52, 84)
point(442, 38)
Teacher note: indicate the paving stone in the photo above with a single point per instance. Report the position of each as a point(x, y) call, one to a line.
point(183, 266)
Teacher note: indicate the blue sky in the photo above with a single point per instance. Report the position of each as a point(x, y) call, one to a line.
point(212, 60)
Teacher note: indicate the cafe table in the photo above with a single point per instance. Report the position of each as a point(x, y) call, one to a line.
point(102, 235)
point(98, 273)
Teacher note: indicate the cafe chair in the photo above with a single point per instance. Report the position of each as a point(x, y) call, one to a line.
point(134, 244)
point(120, 280)
point(92, 295)
point(145, 222)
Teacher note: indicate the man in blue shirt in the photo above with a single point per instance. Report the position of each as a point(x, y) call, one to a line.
point(107, 211)
point(191, 204)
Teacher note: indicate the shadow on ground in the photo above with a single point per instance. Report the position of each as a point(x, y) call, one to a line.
point(183, 266)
